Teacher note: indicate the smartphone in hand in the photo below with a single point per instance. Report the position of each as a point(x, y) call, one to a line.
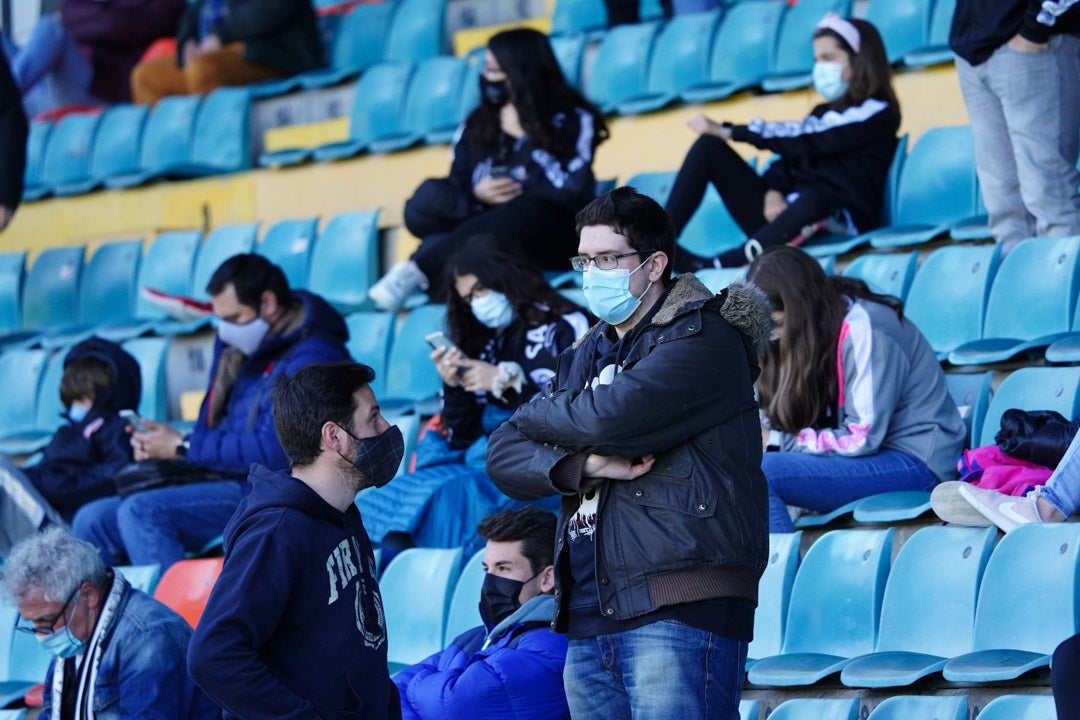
point(439, 341)
point(133, 419)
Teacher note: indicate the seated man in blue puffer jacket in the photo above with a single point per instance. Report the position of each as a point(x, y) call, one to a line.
point(509, 668)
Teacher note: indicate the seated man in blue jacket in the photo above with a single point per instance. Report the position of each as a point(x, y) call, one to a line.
point(509, 668)
point(265, 332)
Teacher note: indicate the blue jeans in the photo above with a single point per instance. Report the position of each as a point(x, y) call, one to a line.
point(823, 483)
point(1062, 489)
point(158, 526)
point(51, 70)
point(662, 671)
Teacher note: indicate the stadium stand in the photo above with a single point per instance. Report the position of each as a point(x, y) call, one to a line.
point(817, 709)
point(464, 612)
point(793, 58)
point(774, 591)
point(888, 274)
point(906, 707)
point(416, 621)
point(741, 51)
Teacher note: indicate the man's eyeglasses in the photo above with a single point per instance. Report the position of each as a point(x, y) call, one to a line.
point(604, 261)
point(50, 625)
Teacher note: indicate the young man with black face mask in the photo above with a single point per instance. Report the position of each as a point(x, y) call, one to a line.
point(294, 627)
point(511, 666)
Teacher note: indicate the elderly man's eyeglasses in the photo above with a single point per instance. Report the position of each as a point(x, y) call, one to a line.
point(49, 626)
point(604, 261)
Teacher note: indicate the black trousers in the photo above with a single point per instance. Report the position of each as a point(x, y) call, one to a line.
point(1065, 678)
point(712, 160)
point(626, 12)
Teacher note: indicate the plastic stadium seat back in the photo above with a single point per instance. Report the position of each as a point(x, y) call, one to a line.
point(221, 244)
point(464, 605)
point(221, 140)
point(622, 64)
point(913, 707)
point(118, 141)
point(948, 296)
point(167, 138)
point(68, 154)
point(904, 25)
point(411, 377)
point(892, 180)
point(371, 334)
point(749, 709)
point(360, 39)
point(345, 260)
point(971, 393)
point(578, 16)
point(470, 84)
point(108, 289)
point(817, 709)
point(289, 244)
point(716, 279)
point(49, 407)
point(1020, 707)
point(378, 110)
point(711, 230)
point(51, 290)
point(937, 183)
point(12, 714)
point(37, 143)
point(885, 273)
point(793, 59)
point(569, 51)
point(12, 273)
point(936, 47)
point(185, 587)
point(416, 31)
point(774, 591)
point(167, 267)
point(1033, 388)
point(410, 431)
point(742, 50)
point(433, 101)
point(680, 60)
point(416, 620)
point(656, 185)
point(141, 577)
point(21, 372)
point(152, 354)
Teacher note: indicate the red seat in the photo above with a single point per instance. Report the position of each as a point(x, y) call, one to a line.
point(185, 587)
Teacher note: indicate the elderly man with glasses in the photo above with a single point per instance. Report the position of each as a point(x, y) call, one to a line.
point(119, 652)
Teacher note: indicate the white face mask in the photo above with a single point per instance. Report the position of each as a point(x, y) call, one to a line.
point(492, 309)
point(829, 79)
point(245, 337)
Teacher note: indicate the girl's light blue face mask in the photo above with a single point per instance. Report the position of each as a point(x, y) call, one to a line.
point(829, 79)
point(607, 292)
point(492, 309)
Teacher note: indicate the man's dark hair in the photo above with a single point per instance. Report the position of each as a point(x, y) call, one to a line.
point(636, 217)
point(251, 275)
point(84, 378)
point(317, 394)
point(535, 528)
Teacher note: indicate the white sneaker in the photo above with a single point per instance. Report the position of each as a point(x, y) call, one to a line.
point(1006, 511)
point(399, 282)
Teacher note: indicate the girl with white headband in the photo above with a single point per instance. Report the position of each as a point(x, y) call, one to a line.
point(833, 163)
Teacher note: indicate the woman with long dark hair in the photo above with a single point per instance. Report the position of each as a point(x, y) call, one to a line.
point(833, 163)
point(508, 327)
point(522, 167)
point(853, 388)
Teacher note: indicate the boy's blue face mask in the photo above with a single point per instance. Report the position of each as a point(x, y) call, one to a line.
point(77, 413)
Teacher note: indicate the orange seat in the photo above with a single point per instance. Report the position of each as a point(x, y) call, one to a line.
point(185, 587)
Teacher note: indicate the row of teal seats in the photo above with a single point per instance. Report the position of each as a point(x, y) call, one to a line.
point(909, 707)
point(951, 603)
point(128, 145)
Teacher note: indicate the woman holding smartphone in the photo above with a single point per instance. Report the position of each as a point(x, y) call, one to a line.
point(521, 168)
point(507, 327)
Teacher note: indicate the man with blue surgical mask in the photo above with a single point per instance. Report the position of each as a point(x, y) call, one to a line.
point(118, 652)
point(650, 435)
point(266, 331)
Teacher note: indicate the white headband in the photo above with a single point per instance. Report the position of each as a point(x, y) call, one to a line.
point(841, 27)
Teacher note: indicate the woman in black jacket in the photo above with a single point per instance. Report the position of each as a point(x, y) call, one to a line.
point(832, 165)
point(522, 167)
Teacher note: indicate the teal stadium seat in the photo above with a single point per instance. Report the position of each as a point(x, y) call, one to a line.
point(115, 150)
point(928, 612)
point(410, 431)
point(1067, 348)
point(47, 411)
point(793, 59)
point(166, 141)
point(844, 571)
point(976, 227)
point(749, 709)
point(885, 273)
point(936, 191)
point(711, 229)
point(470, 85)
point(1031, 302)
point(289, 244)
point(12, 268)
point(922, 707)
point(904, 25)
point(1033, 388)
point(221, 140)
point(36, 143)
point(21, 371)
point(622, 63)
point(680, 60)
point(656, 185)
point(774, 592)
point(971, 393)
point(571, 17)
point(742, 50)
point(936, 49)
point(345, 260)
point(416, 590)
point(371, 334)
point(219, 245)
point(12, 714)
point(411, 378)
point(432, 104)
point(152, 354)
point(359, 42)
point(1020, 707)
point(949, 294)
point(716, 279)
point(68, 153)
point(51, 289)
point(464, 611)
point(1027, 604)
point(23, 661)
point(141, 577)
point(569, 50)
point(416, 31)
point(817, 709)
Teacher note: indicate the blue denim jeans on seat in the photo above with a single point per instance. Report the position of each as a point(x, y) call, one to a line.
point(158, 526)
point(663, 671)
point(823, 483)
point(1062, 489)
